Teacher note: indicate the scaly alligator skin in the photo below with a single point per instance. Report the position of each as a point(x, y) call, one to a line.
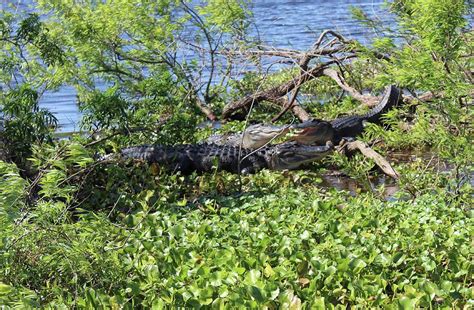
point(315, 131)
point(351, 126)
point(254, 136)
point(207, 157)
point(347, 126)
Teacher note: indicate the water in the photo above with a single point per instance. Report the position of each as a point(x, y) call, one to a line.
point(292, 24)
point(388, 188)
point(298, 23)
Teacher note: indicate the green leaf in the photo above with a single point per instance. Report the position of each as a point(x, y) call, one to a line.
point(268, 271)
point(319, 303)
point(295, 303)
point(305, 235)
point(383, 259)
point(398, 258)
point(252, 276)
point(406, 303)
point(256, 294)
point(5, 289)
point(357, 265)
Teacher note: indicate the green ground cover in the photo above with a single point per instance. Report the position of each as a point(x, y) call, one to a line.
point(74, 233)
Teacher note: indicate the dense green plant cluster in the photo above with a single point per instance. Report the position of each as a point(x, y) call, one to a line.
point(75, 232)
point(280, 245)
point(24, 123)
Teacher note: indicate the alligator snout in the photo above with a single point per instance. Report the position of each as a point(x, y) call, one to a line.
point(314, 131)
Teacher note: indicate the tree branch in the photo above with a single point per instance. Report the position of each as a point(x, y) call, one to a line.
point(368, 152)
point(366, 99)
point(276, 93)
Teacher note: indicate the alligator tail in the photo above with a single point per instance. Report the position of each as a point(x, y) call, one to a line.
point(390, 99)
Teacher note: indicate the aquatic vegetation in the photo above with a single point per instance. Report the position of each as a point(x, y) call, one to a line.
point(76, 232)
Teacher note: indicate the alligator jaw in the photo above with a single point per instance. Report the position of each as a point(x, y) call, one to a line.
point(258, 135)
point(291, 156)
point(314, 131)
point(317, 131)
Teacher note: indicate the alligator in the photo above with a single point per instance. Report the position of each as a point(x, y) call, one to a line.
point(313, 131)
point(252, 152)
point(347, 126)
point(187, 158)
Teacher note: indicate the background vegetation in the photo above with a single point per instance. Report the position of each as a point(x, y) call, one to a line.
point(74, 233)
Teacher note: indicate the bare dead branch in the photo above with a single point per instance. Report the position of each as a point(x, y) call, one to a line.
point(366, 99)
point(338, 45)
point(338, 49)
point(327, 32)
point(303, 63)
point(295, 108)
point(290, 104)
point(291, 54)
point(206, 110)
point(368, 152)
point(276, 93)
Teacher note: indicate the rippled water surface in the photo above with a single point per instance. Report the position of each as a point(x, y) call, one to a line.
point(281, 23)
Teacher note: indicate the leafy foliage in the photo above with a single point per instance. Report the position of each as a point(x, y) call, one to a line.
point(24, 123)
point(280, 245)
point(434, 41)
point(138, 50)
point(75, 232)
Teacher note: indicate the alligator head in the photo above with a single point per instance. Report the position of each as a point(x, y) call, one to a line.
point(291, 155)
point(313, 131)
point(258, 135)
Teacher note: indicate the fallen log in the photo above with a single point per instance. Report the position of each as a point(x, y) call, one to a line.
point(338, 50)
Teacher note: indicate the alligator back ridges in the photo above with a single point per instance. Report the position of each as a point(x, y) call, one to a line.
point(199, 157)
point(391, 98)
point(208, 157)
point(351, 126)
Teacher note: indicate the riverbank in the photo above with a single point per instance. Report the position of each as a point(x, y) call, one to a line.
point(168, 228)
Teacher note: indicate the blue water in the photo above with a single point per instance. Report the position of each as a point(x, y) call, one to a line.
point(292, 24)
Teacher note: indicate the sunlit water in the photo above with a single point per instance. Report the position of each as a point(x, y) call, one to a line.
point(280, 23)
